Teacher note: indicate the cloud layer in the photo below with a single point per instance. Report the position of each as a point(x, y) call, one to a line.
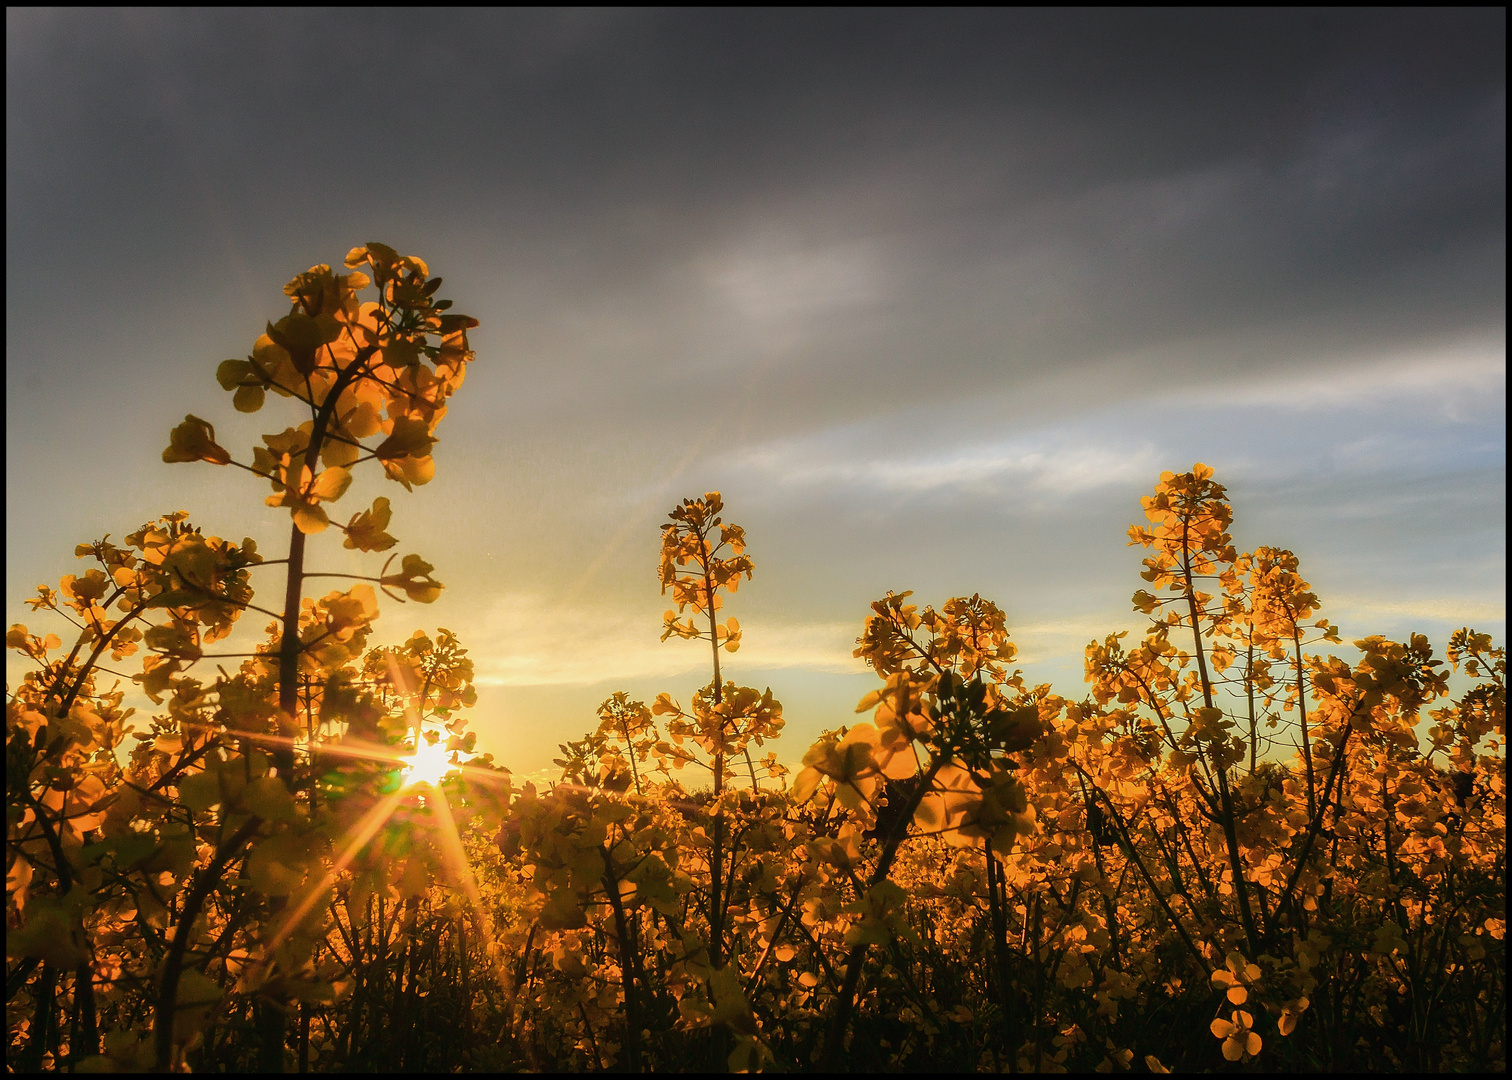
point(931, 297)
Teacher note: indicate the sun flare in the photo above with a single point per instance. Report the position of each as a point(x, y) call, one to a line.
point(427, 765)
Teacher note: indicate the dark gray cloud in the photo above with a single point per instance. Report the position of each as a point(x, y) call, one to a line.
point(1185, 170)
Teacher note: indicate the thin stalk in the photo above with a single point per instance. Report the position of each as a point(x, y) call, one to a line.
point(87, 1041)
point(304, 1038)
point(1226, 800)
point(1302, 711)
point(1006, 988)
point(629, 966)
point(204, 883)
point(1133, 855)
point(43, 993)
point(834, 1043)
point(1249, 691)
point(1316, 825)
point(630, 750)
point(719, 1037)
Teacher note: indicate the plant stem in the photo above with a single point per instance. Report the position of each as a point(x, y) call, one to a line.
point(204, 883)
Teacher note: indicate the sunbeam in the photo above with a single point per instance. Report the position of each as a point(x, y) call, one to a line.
point(451, 846)
point(361, 833)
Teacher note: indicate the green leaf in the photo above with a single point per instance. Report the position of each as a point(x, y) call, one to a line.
point(276, 867)
point(269, 799)
point(198, 995)
point(51, 932)
point(201, 791)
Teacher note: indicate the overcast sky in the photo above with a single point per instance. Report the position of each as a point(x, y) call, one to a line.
point(932, 298)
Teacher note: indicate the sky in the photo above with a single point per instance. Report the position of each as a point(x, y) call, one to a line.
point(931, 298)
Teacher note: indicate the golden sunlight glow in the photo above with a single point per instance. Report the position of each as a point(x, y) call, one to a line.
point(428, 764)
point(360, 834)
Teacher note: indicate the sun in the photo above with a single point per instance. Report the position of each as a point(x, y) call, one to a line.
point(428, 764)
